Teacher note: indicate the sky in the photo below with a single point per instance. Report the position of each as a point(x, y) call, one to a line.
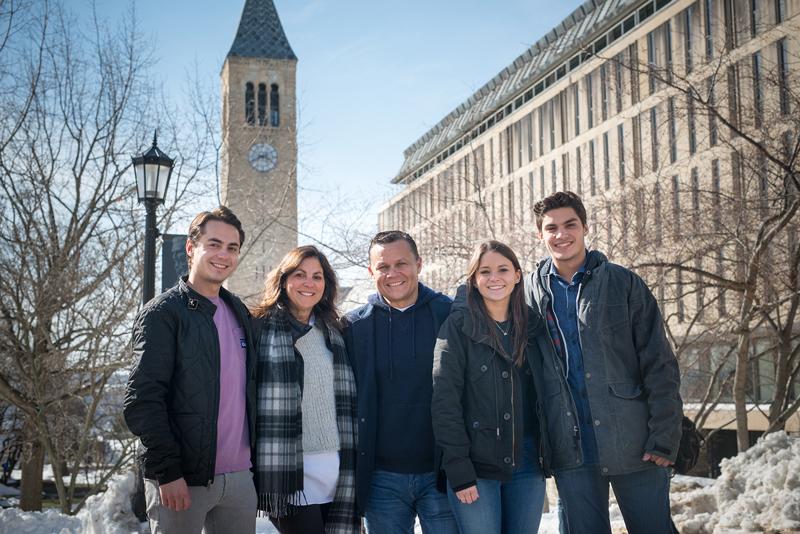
point(372, 77)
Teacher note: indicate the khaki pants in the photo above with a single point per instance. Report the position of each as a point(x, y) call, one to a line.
point(228, 505)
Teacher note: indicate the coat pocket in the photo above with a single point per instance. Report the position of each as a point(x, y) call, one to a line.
point(483, 442)
point(631, 414)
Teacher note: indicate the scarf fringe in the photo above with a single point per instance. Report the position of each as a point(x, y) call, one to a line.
point(280, 504)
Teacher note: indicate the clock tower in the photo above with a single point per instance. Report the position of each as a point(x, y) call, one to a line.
point(259, 144)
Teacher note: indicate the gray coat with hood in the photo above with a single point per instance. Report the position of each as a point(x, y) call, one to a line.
point(632, 375)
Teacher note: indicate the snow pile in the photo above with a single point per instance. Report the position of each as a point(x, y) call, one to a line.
point(758, 491)
point(105, 513)
point(110, 512)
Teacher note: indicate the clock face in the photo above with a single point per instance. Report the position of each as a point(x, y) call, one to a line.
point(262, 157)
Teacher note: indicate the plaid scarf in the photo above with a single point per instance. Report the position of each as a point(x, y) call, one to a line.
point(279, 441)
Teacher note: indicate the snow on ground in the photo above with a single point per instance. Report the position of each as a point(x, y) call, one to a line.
point(758, 491)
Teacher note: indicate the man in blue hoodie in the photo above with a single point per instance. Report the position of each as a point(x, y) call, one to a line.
point(390, 341)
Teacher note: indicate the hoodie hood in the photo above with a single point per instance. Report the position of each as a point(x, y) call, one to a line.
point(415, 312)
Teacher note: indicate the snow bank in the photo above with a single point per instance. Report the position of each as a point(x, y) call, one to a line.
point(105, 513)
point(757, 491)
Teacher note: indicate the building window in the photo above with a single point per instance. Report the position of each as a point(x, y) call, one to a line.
point(783, 76)
point(249, 103)
point(511, 205)
point(552, 121)
point(734, 106)
point(679, 289)
point(541, 182)
point(633, 58)
point(541, 131)
point(262, 104)
point(578, 171)
point(713, 136)
point(657, 214)
point(577, 111)
point(636, 123)
point(592, 174)
point(531, 192)
point(603, 92)
point(676, 205)
point(688, 45)
point(553, 176)
point(654, 138)
point(565, 185)
point(606, 162)
point(780, 10)
point(755, 17)
point(621, 152)
point(618, 87)
point(695, 197)
point(589, 101)
point(758, 98)
point(652, 66)
point(690, 116)
point(529, 130)
point(709, 28)
point(274, 106)
point(673, 148)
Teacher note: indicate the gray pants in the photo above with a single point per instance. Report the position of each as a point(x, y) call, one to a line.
point(227, 505)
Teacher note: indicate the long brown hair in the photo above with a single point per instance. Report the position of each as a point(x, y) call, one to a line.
point(275, 286)
point(518, 310)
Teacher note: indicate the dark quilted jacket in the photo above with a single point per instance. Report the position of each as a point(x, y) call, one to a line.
point(172, 396)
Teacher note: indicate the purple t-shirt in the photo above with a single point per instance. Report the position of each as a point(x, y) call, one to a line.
point(233, 440)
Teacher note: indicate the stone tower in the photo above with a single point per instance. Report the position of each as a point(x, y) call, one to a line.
point(259, 143)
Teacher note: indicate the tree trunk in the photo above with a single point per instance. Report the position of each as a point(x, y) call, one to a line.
point(740, 391)
point(31, 488)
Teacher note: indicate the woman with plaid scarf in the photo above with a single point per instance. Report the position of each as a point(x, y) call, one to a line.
point(306, 411)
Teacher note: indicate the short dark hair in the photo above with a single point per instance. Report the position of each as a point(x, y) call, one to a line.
point(392, 236)
point(560, 199)
point(221, 214)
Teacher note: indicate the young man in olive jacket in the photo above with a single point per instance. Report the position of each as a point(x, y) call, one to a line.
point(609, 340)
point(390, 341)
point(191, 396)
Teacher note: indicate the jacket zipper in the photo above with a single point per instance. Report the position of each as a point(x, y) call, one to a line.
point(213, 457)
point(513, 420)
point(575, 429)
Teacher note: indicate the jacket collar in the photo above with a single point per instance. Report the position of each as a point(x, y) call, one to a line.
point(196, 301)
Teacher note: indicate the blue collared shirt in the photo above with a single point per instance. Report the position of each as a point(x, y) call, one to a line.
point(562, 321)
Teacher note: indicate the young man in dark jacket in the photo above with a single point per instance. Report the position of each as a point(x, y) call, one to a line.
point(191, 395)
point(390, 341)
point(623, 377)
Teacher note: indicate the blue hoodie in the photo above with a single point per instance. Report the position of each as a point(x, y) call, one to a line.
point(392, 354)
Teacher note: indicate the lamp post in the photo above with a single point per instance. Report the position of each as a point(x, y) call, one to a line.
point(152, 170)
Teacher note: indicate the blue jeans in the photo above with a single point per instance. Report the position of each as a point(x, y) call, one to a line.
point(643, 499)
point(397, 498)
point(513, 507)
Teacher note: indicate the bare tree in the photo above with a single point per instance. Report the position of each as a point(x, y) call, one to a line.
point(717, 233)
point(75, 104)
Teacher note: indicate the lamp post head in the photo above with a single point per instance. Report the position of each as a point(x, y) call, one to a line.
point(153, 170)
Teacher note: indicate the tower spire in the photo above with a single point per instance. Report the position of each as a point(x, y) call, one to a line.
point(260, 33)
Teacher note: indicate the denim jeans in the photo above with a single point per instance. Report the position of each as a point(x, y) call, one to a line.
point(397, 498)
point(513, 507)
point(643, 499)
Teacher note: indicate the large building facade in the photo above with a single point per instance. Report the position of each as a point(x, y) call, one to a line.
point(259, 143)
point(650, 110)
